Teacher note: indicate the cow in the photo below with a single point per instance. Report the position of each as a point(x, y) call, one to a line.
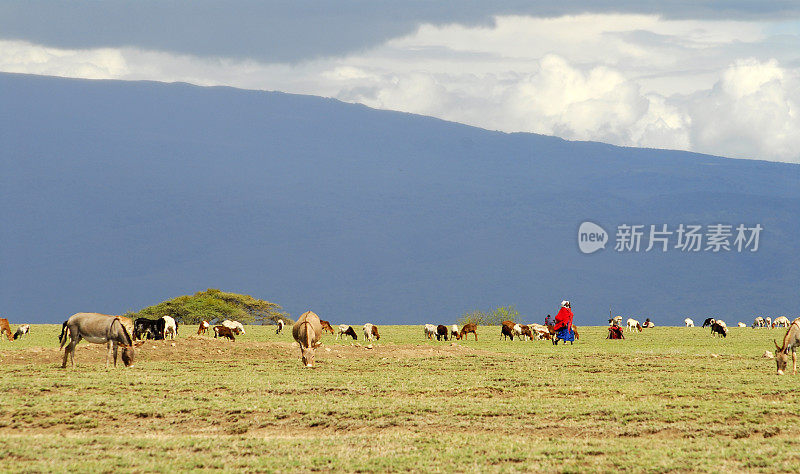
point(203, 328)
point(375, 332)
point(24, 329)
point(98, 329)
point(234, 325)
point(441, 332)
point(280, 324)
point(345, 330)
point(781, 321)
point(541, 331)
point(708, 322)
point(326, 326)
point(507, 330)
point(144, 328)
point(758, 322)
point(6, 328)
point(633, 325)
point(522, 331)
point(688, 322)
point(170, 327)
point(430, 331)
point(454, 332)
point(790, 342)
point(307, 331)
point(370, 332)
point(768, 322)
point(223, 331)
point(719, 327)
point(742, 325)
point(468, 328)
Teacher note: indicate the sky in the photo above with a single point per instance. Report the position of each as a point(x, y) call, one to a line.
point(717, 77)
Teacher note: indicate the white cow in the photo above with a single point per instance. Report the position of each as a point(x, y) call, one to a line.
point(689, 323)
point(742, 325)
point(280, 324)
point(541, 331)
point(368, 332)
point(430, 331)
point(781, 321)
point(768, 322)
point(454, 331)
point(234, 326)
point(169, 327)
point(24, 329)
point(633, 325)
point(758, 322)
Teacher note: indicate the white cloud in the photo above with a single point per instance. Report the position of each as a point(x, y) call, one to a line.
point(719, 87)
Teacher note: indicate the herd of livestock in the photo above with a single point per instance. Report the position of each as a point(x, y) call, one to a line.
point(120, 331)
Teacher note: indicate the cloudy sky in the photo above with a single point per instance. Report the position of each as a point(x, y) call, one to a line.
point(719, 77)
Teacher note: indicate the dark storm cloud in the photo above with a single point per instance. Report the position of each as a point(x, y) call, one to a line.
point(294, 30)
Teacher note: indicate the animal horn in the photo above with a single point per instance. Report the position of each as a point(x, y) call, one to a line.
point(777, 346)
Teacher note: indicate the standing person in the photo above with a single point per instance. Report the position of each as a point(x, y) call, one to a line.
point(548, 321)
point(563, 326)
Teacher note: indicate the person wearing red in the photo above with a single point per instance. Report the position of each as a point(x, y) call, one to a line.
point(563, 325)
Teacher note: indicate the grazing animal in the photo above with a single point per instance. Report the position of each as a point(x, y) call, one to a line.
point(790, 342)
point(345, 330)
point(370, 332)
point(648, 324)
point(522, 331)
point(768, 322)
point(223, 331)
point(758, 322)
point(541, 331)
point(453, 332)
point(507, 330)
point(24, 329)
point(144, 328)
point(6, 328)
point(719, 327)
point(441, 332)
point(326, 326)
point(708, 322)
point(430, 331)
point(280, 324)
point(633, 325)
point(234, 325)
point(170, 327)
point(742, 325)
point(203, 328)
point(98, 329)
point(307, 331)
point(781, 321)
point(688, 322)
point(468, 328)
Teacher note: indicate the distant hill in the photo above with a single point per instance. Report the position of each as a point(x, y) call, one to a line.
point(118, 195)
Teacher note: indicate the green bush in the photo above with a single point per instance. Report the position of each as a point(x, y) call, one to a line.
point(493, 317)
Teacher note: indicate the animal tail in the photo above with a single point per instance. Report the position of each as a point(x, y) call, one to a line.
point(63, 337)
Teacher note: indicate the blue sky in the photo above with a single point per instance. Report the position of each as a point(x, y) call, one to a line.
point(713, 77)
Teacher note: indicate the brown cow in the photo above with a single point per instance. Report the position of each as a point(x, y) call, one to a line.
point(441, 332)
point(507, 330)
point(326, 326)
point(6, 328)
point(222, 331)
point(203, 328)
point(375, 332)
point(307, 331)
point(468, 328)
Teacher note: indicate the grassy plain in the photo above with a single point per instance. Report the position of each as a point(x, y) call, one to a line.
point(666, 399)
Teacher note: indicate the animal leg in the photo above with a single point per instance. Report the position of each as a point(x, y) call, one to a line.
point(794, 363)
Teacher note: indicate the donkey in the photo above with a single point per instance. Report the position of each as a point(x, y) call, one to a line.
point(98, 329)
point(307, 331)
point(790, 342)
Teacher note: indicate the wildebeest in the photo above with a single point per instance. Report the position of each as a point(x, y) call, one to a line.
point(441, 332)
point(203, 328)
point(345, 330)
point(307, 331)
point(234, 325)
point(98, 329)
point(430, 331)
point(144, 328)
point(468, 328)
point(24, 329)
point(326, 326)
point(688, 322)
point(790, 342)
point(6, 328)
point(223, 331)
point(719, 327)
point(170, 327)
point(708, 322)
point(280, 326)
